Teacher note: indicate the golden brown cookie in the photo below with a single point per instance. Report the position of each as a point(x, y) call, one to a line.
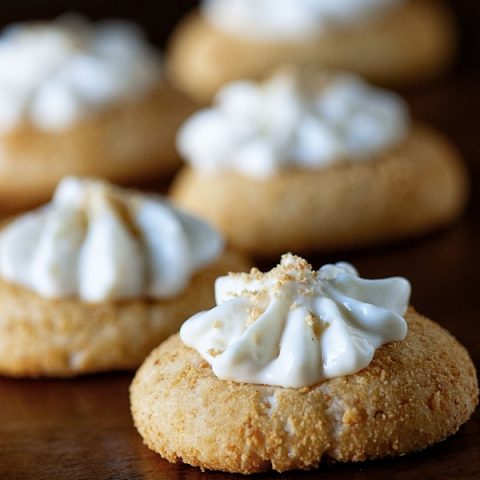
point(411, 189)
point(409, 45)
point(414, 393)
point(129, 142)
point(66, 337)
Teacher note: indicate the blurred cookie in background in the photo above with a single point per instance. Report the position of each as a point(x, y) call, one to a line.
point(310, 161)
point(82, 98)
point(391, 42)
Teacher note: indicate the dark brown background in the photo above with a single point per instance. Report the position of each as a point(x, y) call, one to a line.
point(158, 17)
point(81, 429)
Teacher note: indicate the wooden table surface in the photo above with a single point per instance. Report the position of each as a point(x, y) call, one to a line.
point(82, 429)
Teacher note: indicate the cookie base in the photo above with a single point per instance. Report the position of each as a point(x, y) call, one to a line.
point(130, 142)
point(414, 393)
point(67, 337)
point(410, 45)
point(410, 190)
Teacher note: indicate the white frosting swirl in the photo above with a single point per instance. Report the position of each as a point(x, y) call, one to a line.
point(292, 20)
point(102, 243)
point(53, 74)
point(294, 327)
point(293, 119)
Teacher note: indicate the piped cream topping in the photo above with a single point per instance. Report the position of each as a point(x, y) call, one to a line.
point(294, 119)
point(100, 243)
point(291, 20)
point(53, 74)
point(294, 326)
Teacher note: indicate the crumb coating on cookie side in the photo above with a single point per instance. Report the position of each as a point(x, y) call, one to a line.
point(414, 393)
point(68, 337)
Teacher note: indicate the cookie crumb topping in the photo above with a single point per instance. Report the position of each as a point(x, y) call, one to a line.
point(295, 326)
